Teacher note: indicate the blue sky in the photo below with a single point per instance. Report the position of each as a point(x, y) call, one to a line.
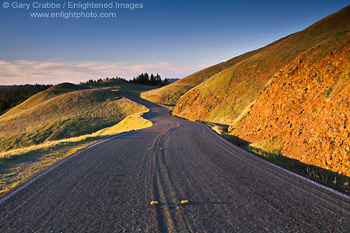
point(171, 37)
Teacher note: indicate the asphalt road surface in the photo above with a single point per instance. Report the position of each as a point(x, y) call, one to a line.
point(109, 187)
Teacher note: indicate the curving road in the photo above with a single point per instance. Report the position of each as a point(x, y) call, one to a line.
point(109, 187)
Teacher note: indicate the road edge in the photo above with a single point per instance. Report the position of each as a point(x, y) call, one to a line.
point(319, 183)
point(32, 179)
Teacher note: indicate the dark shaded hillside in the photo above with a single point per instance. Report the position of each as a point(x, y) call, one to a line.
point(11, 96)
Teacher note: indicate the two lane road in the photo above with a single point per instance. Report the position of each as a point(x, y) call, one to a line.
point(109, 187)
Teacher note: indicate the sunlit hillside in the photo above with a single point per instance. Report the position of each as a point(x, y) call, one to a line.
point(224, 97)
point(303, 113)
point(62, 111)
point(169, 95)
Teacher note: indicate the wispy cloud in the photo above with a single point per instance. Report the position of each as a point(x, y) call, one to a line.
point(53, 71)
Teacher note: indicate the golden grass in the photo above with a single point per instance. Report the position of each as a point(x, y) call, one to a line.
point(130, 123)
point(270, 147)
point(66, 115)
point(23, 164)
point(167, 95)
point(239, 119)
point(133, 122)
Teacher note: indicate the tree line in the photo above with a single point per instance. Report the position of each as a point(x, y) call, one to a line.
point(150, 80)
point(143, 78)
point(11, 96)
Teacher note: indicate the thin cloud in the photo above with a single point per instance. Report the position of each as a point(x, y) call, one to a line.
point(53, 72)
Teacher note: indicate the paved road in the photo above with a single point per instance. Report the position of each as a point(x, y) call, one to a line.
point(108, 188)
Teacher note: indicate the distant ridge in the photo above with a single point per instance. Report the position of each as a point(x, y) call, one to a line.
point(172, 80)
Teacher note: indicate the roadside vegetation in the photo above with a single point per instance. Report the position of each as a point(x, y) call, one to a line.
point(61, 120)
point(271, 148)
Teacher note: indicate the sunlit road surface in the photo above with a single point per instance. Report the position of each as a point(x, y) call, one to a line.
point(109, 188)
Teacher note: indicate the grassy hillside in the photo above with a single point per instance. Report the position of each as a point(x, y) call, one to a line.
point(61, 120)
point(170, 94)
point(225, 95)
point(62, 111)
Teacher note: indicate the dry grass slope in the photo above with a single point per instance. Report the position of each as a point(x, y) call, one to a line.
point(67, 114)
point(170, 94)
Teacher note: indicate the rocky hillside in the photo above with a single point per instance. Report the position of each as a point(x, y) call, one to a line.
point(304, 112)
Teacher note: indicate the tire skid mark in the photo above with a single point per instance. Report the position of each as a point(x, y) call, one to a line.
point(176, 200)
point(164, 188)
point(166, 217)
point(197, 158)
point(159, 192)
